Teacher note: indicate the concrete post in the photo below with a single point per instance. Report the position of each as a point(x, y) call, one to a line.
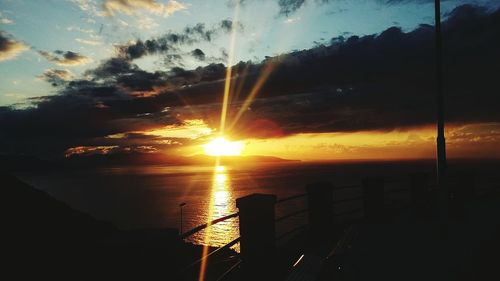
point(257, 232)
point(320, 205)
point(373, 198)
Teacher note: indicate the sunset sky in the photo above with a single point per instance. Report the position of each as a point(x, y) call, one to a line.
point(310, 79)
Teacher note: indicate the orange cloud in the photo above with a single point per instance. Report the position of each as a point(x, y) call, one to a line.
point(9, 48)
point(130, 7)
point(89, 150)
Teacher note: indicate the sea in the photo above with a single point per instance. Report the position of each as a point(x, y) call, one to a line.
point(184, 197)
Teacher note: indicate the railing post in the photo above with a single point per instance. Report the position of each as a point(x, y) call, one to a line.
point(420, 194)
point(257, 232)
point(320, 207)
point(373, 198)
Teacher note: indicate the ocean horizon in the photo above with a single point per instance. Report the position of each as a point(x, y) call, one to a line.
point(149, 196)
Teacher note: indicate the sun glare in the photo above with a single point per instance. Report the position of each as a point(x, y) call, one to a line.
point(222, 147)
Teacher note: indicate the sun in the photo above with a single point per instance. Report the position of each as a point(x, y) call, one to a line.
point(222, 147)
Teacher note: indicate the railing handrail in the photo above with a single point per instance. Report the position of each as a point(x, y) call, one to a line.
point(291, 214)
point(234, 266)
point(291, 198)
point(227, 246)
point(279, 219)
point(205, 225)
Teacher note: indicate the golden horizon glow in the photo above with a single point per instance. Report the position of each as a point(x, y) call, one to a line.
point(415, 143)
point(222, 147)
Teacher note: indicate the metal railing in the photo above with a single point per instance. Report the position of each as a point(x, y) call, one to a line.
point(218, 250)
point(288, 216)
point(205, 225)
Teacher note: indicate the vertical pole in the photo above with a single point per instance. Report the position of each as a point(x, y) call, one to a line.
point(373, 198)
point(443, 193)
point(320, 207)
point(441, 142)
point(257, 236)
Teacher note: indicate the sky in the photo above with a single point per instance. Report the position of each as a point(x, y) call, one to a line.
point(310, 79)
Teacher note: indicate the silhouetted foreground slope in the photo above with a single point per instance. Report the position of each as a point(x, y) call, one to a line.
point(45, 239)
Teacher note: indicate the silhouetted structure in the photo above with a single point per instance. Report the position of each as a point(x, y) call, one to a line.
point(257, 231)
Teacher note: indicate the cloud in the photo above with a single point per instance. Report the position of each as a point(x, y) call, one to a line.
point(88, 42)
point(228, 25)
point(377, 82)
point(57, 76)
point(9, 48)
point(146, 23)
point(198, 54)
point(5, 20)
point(67, 58)
point(76, 28)
point(90, 7)
point(170, 42)
point(288, 7)
point(361, 83)
point(291, 20)
point(130, 7)
point(123, 73)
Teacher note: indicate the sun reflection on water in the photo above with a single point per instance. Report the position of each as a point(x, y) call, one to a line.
point(221, 203)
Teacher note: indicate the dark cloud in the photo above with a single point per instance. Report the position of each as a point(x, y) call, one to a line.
point(199, 30)
point(57, 77)
point(287, 7)
point(229, 25)
point(10, 48)
point(113, 67)
point(121, 72)
point(169, 43)
point(198, 54)
point(67, 58)
point(375, 82)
